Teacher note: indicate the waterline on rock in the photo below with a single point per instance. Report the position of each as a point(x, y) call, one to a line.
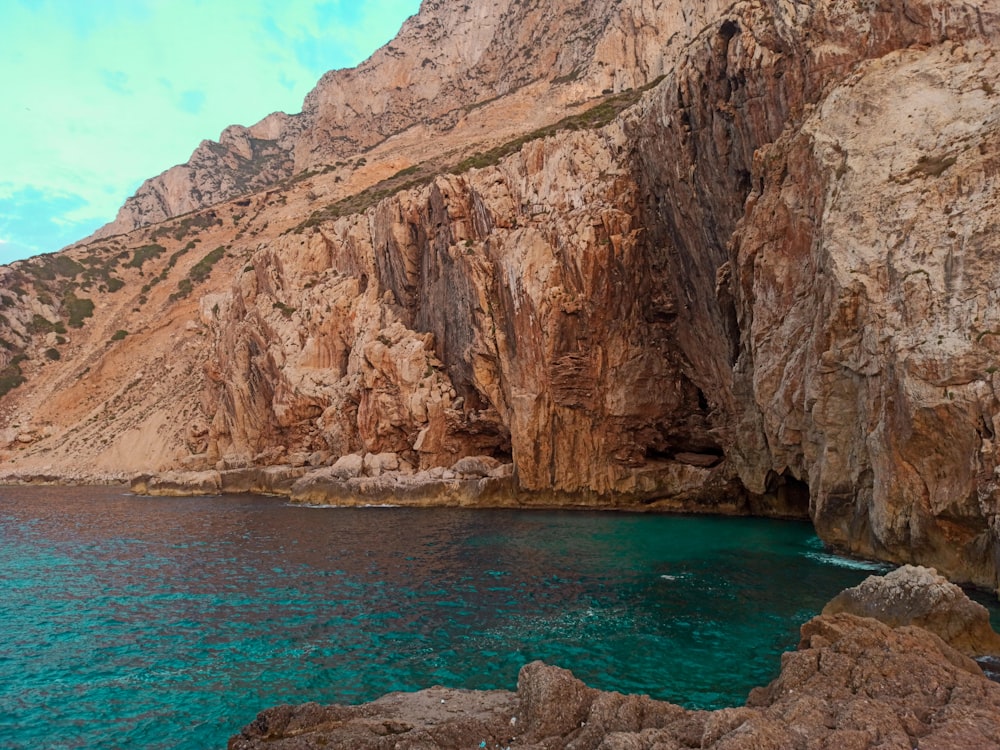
point(854, 563)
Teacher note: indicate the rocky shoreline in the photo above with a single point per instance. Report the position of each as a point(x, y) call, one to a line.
point(473, 481)
point(887, 664)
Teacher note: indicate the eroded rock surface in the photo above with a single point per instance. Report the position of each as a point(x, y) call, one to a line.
point(914, 595)
point(861, 278)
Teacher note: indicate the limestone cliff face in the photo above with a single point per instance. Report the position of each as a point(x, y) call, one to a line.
point(446, 61)
point(865, 272)
point(765, 281)
point(483, 313)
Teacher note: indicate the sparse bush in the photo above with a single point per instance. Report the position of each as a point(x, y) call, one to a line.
point(177, 256)
point(286, 310)
point(41, 324)
point(184, 288)
point(52, 353)
point(595, 117)
point(406, 172)
point(119, 335)
point(184, 225)
point(203, 267)
point(77, 309)
point(65, 265)
point(48, 267)
point(198, 273)
point(144, 253)
point(11, 376)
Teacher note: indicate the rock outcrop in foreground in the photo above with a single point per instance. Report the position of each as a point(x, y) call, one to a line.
point(854, 683)
point(914, 595)
point(648, 254)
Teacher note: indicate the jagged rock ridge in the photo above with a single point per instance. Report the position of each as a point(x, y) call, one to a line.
point(765, 284)
point(445, 60)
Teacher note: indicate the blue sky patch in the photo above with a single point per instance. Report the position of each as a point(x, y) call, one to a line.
point(99, 96)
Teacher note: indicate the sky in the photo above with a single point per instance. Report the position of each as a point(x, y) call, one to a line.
point(97, 96)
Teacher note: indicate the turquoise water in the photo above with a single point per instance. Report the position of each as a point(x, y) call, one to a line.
point(169, 623)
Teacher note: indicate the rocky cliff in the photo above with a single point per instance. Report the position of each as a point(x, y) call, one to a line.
point(445, 63)
point(721, 257)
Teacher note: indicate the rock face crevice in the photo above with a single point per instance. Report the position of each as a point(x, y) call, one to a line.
point(762, 280)
point(745, 248)
point(499, 291)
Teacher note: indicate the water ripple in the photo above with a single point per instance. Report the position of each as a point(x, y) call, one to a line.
point(169, 623)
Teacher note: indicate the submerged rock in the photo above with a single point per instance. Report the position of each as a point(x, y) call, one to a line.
point(855, 682)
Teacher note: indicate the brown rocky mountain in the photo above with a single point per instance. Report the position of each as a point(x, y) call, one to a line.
point(728, 257)
point(446, 62)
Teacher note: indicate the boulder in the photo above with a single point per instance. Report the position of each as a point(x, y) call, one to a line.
point(267, 480)
point(178, 483)
point(377, 464)
point(915, 595)
point(433, 718)
point(347, 467)
point(503, 471)
point(475, 466)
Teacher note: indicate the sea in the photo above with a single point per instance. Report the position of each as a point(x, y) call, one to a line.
point(140, 622)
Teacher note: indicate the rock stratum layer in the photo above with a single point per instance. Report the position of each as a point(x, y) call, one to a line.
point(728, 257)
point(854, 682)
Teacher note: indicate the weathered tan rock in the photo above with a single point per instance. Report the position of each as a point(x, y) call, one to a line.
point(376, 464)
point(178, 483)
point(265, 480)
point(913, 595)
point(425, 719)
point(423, 489)
point(863, 277)
point(347, 467)
point(476, 466)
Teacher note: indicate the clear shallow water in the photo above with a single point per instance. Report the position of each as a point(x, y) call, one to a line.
point(169, 623)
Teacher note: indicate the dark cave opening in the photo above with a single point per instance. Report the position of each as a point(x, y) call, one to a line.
point(786, 497)
point(654, 453)
point(702, 402)
point(702, 455)
point(729, 29)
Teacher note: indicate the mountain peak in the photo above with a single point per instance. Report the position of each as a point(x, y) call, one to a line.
point(446, 59)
